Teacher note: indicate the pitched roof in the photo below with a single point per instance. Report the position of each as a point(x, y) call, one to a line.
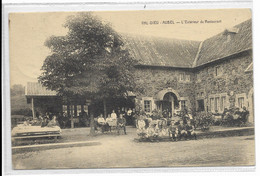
point(36, 89)
point(227, 43)
point(155, 51)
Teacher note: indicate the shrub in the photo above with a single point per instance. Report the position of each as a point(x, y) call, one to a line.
point(203, 120)
point(25, 112)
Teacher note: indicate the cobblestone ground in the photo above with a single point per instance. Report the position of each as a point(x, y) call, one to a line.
point(123, 151)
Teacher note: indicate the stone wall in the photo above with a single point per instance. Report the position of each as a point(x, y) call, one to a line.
point(233, 81)
point(154, 80)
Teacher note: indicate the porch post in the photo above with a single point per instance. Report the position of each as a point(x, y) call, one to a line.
point(105, 108)
point(82, 108)
point(75, 111)
point(68, 110)
point(33, 111)
point(71, 119)
point(172, 104)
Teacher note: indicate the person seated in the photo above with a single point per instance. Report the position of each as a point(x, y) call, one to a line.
point(141, 130)
point(101, 120)
point(236, 113)
point(108, 119)
point(37, 121)
point(27, 122)
point(121, 122)
point(182, 130)
point(155, 115)
point(53, 122)
point(140, 124)
point(190, 130)
point(173, 129)
point(224, 113)
point(153, 132)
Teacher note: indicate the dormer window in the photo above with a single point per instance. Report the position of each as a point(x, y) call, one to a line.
point(229, 32)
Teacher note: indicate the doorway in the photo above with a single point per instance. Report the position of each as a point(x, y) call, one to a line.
point(169, 103)
point(200, 104)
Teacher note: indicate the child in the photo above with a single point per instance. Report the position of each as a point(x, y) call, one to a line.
point(174, 131)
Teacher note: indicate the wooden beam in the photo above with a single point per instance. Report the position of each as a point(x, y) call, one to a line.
point(33, 110)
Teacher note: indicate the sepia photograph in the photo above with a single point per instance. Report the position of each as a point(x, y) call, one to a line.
point(131, 89)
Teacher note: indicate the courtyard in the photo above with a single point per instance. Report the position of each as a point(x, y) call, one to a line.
point(124, 151)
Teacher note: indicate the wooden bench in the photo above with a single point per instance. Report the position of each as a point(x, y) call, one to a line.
point(34, 136)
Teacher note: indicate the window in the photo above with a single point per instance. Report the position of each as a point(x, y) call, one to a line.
point(198, 77)
point(147, 106)
point(183, 104)
point(211, 101)
point(184, 77)
point(218, 71)
point(217, 104)
point(200, 105)
point(202, 94)
point(222, 103)
point(241, 102)
point(187, 77)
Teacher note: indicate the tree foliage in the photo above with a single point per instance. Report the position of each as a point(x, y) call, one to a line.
point(90, 61)
point(17, 89)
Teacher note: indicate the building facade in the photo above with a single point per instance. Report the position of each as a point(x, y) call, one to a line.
point(208, 75)
point(203, 76)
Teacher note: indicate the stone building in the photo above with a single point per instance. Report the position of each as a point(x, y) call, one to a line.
point(210, 75)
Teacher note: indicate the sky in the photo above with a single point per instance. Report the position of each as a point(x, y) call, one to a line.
point(29, 31)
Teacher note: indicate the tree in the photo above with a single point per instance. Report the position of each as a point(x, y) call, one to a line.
point(90, 62)
point(17, 89)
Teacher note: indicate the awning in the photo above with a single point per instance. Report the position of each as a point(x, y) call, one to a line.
point(159, 96)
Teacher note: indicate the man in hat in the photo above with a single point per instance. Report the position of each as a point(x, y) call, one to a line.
point(182, 130)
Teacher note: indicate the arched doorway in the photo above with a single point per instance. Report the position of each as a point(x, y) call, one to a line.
point(167, 100)
point(170, 103)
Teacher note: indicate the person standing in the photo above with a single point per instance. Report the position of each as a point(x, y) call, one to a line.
point(182, 130)
point(173, 129)
point(129, 116)
point(190, 130)
point(244, 115)
point(113, 115)
point(121, 122)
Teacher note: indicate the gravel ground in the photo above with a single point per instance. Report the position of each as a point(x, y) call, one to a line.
point(123, 151)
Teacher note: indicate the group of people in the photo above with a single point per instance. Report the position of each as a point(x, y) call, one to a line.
point(182, 130)
point(155, 126)
point(43, 121)
point(113, 120)
point(235, 116)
